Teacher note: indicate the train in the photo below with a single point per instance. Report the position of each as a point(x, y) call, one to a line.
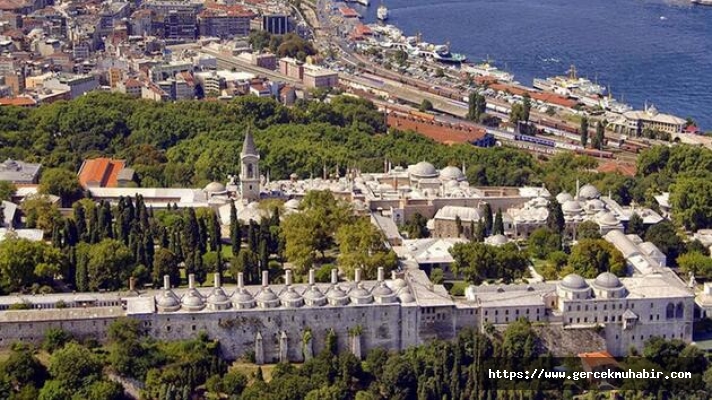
point(595, 153)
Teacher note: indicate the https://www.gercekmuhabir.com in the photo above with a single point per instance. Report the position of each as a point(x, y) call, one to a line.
point(539, 374)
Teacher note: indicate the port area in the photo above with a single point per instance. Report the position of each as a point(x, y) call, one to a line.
point(379, 62)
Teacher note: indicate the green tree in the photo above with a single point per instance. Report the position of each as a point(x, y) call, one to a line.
point(691, 202)
point(665, 237)
point(55, 339)
point(476, 107)
point(7, 189)
point(362, 245)
point(41, 213)
point(426, 105)
point(599, 139)
point(62, 183)
point(165, 263)
point(590, 257)
point(583, 130)
point(588, 230)
point(74, 366)
point(542, 242)
point(555, 220)
point(22, 368)
point(695, 263)
point(109, 264)
point(417, 227)
point(23, 263)
point(488, 217)
point(498, 227)
point(636, 225)
point(526, 107)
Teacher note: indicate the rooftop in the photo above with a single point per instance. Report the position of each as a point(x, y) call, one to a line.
point(100, 172)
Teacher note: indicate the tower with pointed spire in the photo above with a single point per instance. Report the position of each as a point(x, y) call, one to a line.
point(249, 169)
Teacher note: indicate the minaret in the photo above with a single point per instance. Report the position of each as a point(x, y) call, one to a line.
point(249, 169)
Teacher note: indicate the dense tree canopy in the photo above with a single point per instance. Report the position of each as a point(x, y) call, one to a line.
point(590, 257)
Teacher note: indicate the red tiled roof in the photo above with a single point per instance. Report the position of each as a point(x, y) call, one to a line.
point(616, 167)
point(549, 98)
point(17, 101)
point(100, 172)
point(440, 132)
point(132, 83)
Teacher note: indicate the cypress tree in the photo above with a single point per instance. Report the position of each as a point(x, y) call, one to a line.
point(264, 255)
point(214, 231)
point(191, 232)
point(201, 273)
point(82, 275)
point(108, 221)
point(458, 225)
point(252, 237)
point(94, 229)
point(80, 220)
point(498, 223)
point(202, 235)
point(70, 233)
point(163, 237)
point(235, 230)
point(488, 218)
point(148, 248)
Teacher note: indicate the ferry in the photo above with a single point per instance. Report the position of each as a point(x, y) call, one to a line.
point(571, 85)
point(365, 3)
point(439, 53)
point(485, 68)
point(702, 2)
point(382, 12)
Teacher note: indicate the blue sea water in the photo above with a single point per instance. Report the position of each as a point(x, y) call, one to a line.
point(659, 51)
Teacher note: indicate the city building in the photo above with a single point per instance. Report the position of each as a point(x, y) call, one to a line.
point(19, 172)
point(277, 24)
point(77, 85)
point(320, 78)
point(105, 172)
point(635, 122)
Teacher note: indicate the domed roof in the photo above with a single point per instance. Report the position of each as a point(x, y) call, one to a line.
point(451, 173)
point(574, 281)
point(218, 296)
point(406, 297)
point(385, 186)
point(214, 187)
point(595, 204)
point(292, 204)
point(608, 280)
point(336, 293)
point(451, 184)
point(313, 293)
point(498, 239)
point(571, 207)
point(359, 292)
point(291, 295)
point(382, 290)
point(399, 283)
point(589, 192)
point(423, 168)
point(167, 300)
point(293, 175)
point(253, 206)
point(266, 295)
point(242, 296)
point(563, 197)
point(192, 299)
point(607, 218)
point(367, 178)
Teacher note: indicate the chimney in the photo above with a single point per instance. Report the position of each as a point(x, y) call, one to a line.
point(132, 284)
point(393, 275)
point(216, 280)
point(191, 281)
point(166, 282)
point(240, 280)
point(357, 275)
point(334, 276)
point(380, 274)
point(265, 278)
point(311, 277)
point(288, 277)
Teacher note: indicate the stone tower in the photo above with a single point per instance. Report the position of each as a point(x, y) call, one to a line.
point(249, 170)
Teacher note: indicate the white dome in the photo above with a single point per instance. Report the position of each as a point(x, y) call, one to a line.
point(563, 197)
point(574, 281)
point(498, 239)
point(607, 218)
point(214, 187)
point(595, 205)
point(423, 169)
point(571, 207)
point(607, 280)
point(589, 192)
point(451, 173)
point(253, 206)
point(367, 178)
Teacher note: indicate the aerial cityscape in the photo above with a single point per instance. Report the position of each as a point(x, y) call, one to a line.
point(363, 199)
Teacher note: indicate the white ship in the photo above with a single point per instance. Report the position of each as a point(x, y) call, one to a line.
point(364, 2)
point(702, 2)
point(382, 12)
point(570, 86)
point(487, 69)
point(438, 53)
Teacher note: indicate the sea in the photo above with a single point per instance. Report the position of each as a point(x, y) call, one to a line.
point(655, 52)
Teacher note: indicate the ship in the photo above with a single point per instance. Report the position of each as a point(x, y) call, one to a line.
point(570, 86)
point(382, 12)
point(702, 2)
point(365, 3)
point(486, 69)
point(439, 53)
